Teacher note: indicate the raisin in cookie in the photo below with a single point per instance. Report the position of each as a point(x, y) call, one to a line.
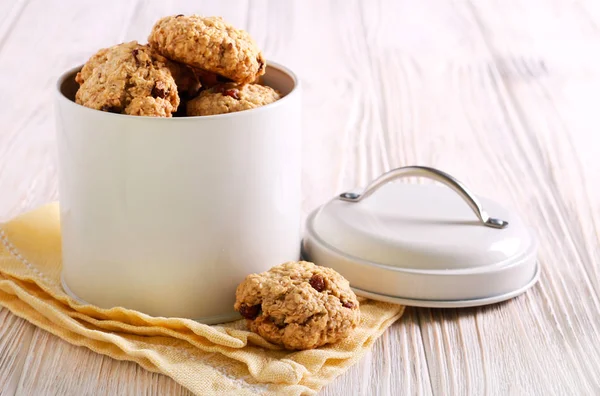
point(130, 78)
point(298, 305)
point(231, 97)
point(208, 43)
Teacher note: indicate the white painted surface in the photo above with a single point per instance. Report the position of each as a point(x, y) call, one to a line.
point(501, 94)
point(171, 214)
point(421, 243)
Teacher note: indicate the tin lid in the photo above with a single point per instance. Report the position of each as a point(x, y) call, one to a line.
point(423, 244)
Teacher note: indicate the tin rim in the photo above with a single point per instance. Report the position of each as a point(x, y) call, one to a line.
point(451, 303)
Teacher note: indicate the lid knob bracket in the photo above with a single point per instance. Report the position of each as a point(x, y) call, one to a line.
point(433, 174)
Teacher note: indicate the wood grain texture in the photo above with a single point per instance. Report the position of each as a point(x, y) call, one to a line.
point(54, 367)
point(501, 94)
point(15, 337)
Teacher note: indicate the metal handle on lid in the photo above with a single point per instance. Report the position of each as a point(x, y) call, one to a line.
point(434, 174)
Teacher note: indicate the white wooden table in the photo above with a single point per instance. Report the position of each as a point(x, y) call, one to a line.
point(502, 94)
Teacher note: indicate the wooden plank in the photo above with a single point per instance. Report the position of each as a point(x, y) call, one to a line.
point(10, 10)
point(552, 106)
point(55, 367)
point(15, 339)
point(396, 365)
point(538, 343)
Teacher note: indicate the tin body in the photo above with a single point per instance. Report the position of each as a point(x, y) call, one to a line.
point(167, 215)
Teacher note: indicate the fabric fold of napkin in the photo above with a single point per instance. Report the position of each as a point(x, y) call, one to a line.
point(222, 359)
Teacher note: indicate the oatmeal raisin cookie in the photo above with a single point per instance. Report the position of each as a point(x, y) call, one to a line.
point(231, 97)
point(298, 305)
point(210, 44)
point(128, 78)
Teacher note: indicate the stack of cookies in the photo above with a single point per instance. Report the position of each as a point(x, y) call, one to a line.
point(191, 66)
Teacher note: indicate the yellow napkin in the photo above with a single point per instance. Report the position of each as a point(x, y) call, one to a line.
point(224, 359)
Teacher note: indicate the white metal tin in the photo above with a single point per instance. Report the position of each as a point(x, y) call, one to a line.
point(167, 215)
point(422, 245)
